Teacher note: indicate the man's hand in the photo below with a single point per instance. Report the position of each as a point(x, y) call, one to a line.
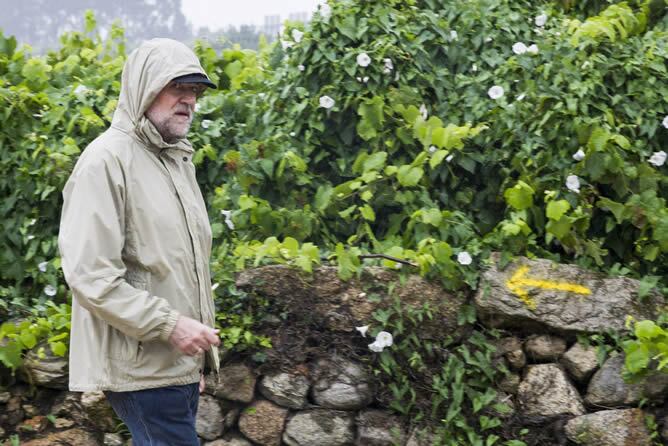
point(191, 337)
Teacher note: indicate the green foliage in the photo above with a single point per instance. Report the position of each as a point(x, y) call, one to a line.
point(439, 380)
point(648, 350)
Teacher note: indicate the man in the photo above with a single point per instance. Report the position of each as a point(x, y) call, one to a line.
point(135, 244)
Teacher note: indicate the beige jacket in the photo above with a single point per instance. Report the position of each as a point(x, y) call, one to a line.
point(135, 241)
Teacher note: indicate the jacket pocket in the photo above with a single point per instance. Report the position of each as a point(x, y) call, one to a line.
point(121, 346)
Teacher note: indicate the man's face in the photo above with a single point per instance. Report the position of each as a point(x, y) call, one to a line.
point(172, 110)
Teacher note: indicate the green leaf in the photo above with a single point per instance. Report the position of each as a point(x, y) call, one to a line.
point(323, 197)
point(28, 339)
point(58, 348)
point(519, 196)
point(409, 176)
point(371, 112)
point(556, 209)
point(437, 158)
point(368, 213)
point(376, 161)
point(598, 139)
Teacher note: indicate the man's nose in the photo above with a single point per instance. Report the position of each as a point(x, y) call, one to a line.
point(189, 98)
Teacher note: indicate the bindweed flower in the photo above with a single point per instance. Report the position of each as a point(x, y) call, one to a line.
point(519, 48)
point(474, 68)
point(579, 155)
point(454, 35)
point(383, 339)
point(520, 97)
point(293, 133)
point(495, 92)
point(658, 158)
point(297, 35)
point(301, 67)
point(206, 123)
point(81, 90)
point(42, 266)
point(364, 79)
point(449, 158)
point(326, 102)
point(432, 149)
point(388, 66)
point(50, 290)
point(325, 10)
point(540, 20)
point(665, 122)
point(286, 44)
point(363, 60)
point(30, 237)
point(228, 218)
point(573, 183)
point(215, 286)
point(532, 49)
point(464, 258)
point(424, 112)
point(488, 39)
point(362, 330)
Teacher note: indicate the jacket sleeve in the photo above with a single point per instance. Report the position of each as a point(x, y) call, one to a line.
point(91, 239)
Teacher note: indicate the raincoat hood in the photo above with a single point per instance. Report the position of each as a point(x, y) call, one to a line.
point(148, 70)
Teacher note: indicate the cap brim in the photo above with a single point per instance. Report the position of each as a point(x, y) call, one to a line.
point(195, 78)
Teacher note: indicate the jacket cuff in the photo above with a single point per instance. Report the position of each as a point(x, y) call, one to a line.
point(168, 325)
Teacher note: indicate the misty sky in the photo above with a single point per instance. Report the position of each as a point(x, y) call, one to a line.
point(219, 13)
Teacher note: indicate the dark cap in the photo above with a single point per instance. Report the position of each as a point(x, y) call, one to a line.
point(195, 78)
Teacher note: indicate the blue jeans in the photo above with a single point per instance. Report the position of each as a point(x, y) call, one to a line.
point(159, 417)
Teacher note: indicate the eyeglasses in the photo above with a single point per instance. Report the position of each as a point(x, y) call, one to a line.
point(185, 88)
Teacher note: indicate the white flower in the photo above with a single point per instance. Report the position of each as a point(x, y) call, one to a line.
point(286, 44)
point(363, 60)
point(532, 49)
point(297, 35)
point(488, 39)
point(228, 218)
point(326, 102)
point(30, 237)
point(474, 68)
point(453, 35)
point(464, 258)
point(398, 265)
point(325, 10)
point(214, 286)
point(384, 338)
point(364, 79)
point(301, 67)
point(658, 158)
point(665, 122)
point(388, 67)
point(375, 347)
point(573, 183)
point(293, 134)
point(32, 222)
point(495, 92)
point(579, 155)
point(50, 290)
point(540, 20)
point(424, 112)
point(519, 48)
point(362, 330)
point(206, 123)
point(42, 266)
point(432, 149)
point(521, 97)
point(362, 294)
point(81, 90)
point(449, 158)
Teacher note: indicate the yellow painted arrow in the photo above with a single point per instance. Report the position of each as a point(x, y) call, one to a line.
point(519, 282)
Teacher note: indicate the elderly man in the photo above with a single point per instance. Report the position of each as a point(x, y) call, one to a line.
point(135, 244)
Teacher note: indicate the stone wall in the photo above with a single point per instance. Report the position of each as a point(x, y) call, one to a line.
point(315, 399)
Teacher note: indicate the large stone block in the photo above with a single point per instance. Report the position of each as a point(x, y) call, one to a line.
point(609, 428)
point(320, 427)
point(543, 295)
point(545, 393)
